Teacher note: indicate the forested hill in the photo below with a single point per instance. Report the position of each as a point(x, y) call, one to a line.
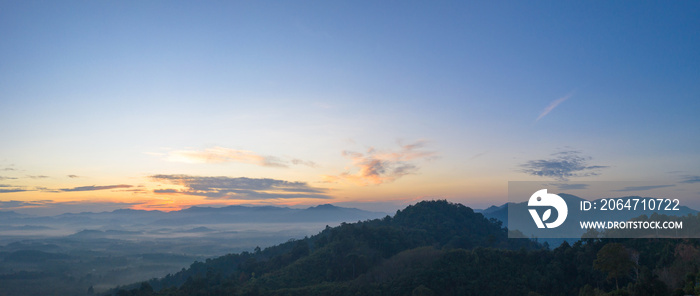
point(440, 248)
point(344, 253)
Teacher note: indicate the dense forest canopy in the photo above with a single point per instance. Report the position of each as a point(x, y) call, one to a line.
point(440, 248)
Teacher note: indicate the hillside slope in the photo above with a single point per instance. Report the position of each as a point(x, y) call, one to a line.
point(440, 248)
point(349, 252)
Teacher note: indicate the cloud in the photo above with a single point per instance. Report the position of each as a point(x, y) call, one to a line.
point(553, 105)
point(374, 167)
point(226, 155)
point(93, 188)
point(7, 178)
point(690, 179)
point(73, 176)
point(4, 188)
point(564, 165)
point(223, 155)
point(297, 161)
point(568, 186)
point(45, 189)
point(12, 190)
point(642, 188)
point(38, 177)
point(21, 204)
point(238, 188)
point(134, 191)
point(475, 156)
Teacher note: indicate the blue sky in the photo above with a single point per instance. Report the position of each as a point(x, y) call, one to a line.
point(369, 102)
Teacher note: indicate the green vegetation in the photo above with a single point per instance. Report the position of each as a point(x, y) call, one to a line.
point(33, 272)
point(440, 248)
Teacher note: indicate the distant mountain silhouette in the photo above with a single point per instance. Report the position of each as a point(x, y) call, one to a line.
point(497, 212)
point(10, 215)
point(351, 251)
point(194, 215)
point(264, 214)
point(439, 248)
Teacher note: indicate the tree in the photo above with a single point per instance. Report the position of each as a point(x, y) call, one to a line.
point(615, 260)
point(422, 291)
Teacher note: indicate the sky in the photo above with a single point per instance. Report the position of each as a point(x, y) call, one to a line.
point(163, 105)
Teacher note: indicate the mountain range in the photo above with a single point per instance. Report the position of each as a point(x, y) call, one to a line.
point(194, 215)
point(438, 248)
point(69, 253)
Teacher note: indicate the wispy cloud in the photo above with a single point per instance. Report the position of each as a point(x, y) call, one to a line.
point(226, 155)
point(553, 105)
point(38, 177)
point(569, 186)
point(297, 161)
point(6, 178)
point(238, 188)
point(688, 179)
point(643, 188)
point(475, 156)
point(46, 189)
point(10, 190)
point(376, 167)
point(73, 176)
point(93, 188)
point(13, 204)
point(562, 166)
point(138, 190)
point(5, 188)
